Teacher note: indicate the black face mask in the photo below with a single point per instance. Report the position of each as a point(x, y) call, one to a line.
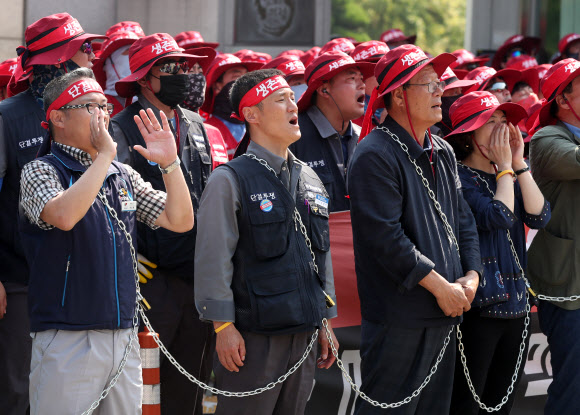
point(446, 103)
point(195, 92)
point(222, 107)
point(173, 89)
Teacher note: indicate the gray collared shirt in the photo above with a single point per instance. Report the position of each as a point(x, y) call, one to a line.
point(218, 234)
point(326, 130)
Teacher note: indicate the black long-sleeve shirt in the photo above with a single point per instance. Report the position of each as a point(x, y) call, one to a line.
point(398, 235)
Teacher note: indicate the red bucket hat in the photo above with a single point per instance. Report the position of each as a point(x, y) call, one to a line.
point(310, 55)
point(143, 54)
point(553, 83)
point(527, 43)
point(484, 74)
point(396, 68)
point(522, 62)
point(324, 68)
point(466, 58)
point(218, 66)
point(291, 52)
point(397, 35)
point(49, 41)
point(471, 111)
point(371, 51)
point(193, 39)
point(7, 69)
point(340, 44)
point(452, 81)
point(289, 64)
point(209, 53)
point(533, 76)
point(566, 40)
point(248, 55)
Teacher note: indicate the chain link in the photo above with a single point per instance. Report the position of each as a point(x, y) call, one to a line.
point(430, 193)
point(364, 396)
point(181, 369)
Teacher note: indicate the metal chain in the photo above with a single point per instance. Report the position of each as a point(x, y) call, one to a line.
point(340, 364)
point(540, 296)
point(364, 396)
point(431, 193)
point(139, 310)
point(524, 332)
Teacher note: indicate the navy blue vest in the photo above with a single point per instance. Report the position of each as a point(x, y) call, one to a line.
point(276, 289)
point(170, 250)
point(313, 147)
point(82, 279)
point(21, 116)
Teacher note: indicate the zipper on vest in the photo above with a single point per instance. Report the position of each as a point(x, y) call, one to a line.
point(65, 280)
point(305, 267)
point(115, 255)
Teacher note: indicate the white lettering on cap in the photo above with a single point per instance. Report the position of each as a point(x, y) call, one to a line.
point(489, 101)
point(72, 28)
point(485, 75)
point(12, 68)
point(572, 66)
point(414, 57)
point(338, 64)
point(395, 33)
point(231, 59)
point(164, 46)
point(294, 65)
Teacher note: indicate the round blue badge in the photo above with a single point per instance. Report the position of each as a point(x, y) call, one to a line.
point(266, 205)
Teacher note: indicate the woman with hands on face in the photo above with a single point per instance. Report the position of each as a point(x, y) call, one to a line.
point(497, 185)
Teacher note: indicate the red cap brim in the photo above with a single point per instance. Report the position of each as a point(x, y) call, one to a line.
point(514, 114)
point(62, 53)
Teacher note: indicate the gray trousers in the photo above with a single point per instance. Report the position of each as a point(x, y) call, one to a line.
point(15, 347)
point(69, 370)
point(268, 358)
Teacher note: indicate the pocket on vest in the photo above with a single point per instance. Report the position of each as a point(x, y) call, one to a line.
point(269, 231)
point(319, 230)
point(278, 301)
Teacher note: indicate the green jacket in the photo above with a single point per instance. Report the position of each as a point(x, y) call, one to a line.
point(554, 256)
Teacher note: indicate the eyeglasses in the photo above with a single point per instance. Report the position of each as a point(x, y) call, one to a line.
point(432, 86)
point(91, 106)
point(87, 48)
point(173, 68)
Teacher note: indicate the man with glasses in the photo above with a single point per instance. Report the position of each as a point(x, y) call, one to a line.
point(55, 45)
point(417, 273)
point(159, 79)
point(74, 197)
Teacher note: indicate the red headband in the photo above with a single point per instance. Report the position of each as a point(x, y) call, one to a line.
point(260, 92)
point(79, 88)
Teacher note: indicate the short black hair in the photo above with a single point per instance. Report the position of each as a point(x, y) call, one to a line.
point(462, 145)
point(58, 85)
point(554, 106)
point(519, 86)
point(388, 100)
point(246, 82)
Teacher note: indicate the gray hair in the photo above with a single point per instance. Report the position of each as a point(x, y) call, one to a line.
point(58, 85)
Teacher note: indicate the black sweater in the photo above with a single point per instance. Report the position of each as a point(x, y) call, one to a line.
point(398, 235)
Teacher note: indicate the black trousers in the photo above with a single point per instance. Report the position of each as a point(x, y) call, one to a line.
point(15, 351)
point(174, 317)
point(491, 347)
point(268, 358)
point(396, 361)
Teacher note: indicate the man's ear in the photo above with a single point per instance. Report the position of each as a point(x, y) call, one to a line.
point(398, 97)
point(562, 102)
point(57, 118)
point(143, 82)
point(251, 114)
point(322, 90)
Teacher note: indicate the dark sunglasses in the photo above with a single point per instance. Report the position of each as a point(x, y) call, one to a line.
point(173, 68)
point(87, 48)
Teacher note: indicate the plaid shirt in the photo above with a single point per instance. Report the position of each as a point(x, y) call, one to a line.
point(39, 183)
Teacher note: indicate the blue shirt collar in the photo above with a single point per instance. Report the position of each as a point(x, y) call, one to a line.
point(573, 129)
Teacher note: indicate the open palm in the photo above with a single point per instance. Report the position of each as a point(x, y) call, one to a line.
point(160, 143)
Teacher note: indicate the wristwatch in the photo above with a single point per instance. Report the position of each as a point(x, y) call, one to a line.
point(171, 167)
